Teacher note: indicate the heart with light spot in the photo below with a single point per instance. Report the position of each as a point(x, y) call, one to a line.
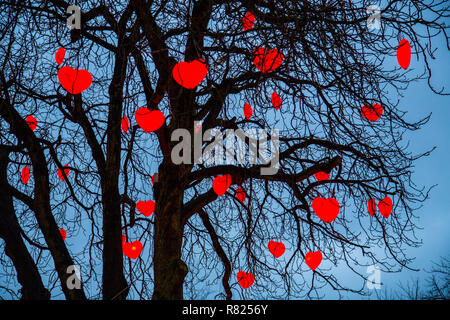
point(132, 250)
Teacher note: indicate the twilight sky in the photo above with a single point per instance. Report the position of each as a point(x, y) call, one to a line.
point(434, 216)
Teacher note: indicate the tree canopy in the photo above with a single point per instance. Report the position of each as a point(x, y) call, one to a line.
point(99, 145)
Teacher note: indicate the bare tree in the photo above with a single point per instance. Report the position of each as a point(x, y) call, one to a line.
point(438, 283)
point(326, 66)
point(435, 287)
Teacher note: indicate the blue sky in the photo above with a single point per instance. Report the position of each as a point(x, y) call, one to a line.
point(434, 216)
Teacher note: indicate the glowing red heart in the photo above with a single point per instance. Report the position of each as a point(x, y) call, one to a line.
point(146, 207)
point(248, 21)
point(59, 55)
point(276, 248)
point(73, 80)
point(132, 250)
point(190, 74)
point(267, 60)
point(276, 101)
point(221, 184)
point(371, 207)
point(326, 209)
point(63, 233)
point(149, 120)
point(125, 124)
point(321, 176)
point(372, 113)
point(155, 178)
point(32, 122)
point(66, 171)
point(245, 279)
point(123, 239)
point(25, 175)
point(247, 111)
point(385, 207)
point(404, 53)
point(240, 194)
point(313, 259)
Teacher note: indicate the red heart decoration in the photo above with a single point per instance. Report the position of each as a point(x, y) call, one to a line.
point(326, 209)
point(73, 80)
point(247, 111)
point(63, 233)
point(372, 113)
point(32, 122)
point(240, 194)
point(125, 124)
point(404, 53)
point(248, 21)
point(149, 120)
point(123, 240)
point(190, 74)
point(132, 250)
point(371, 207)
point(155, 178)
point(59, 55)
point(385, 207)
point(66, 171)
point(146, 207)
point(221, 184)
point(321, 176)
point(25, 175)
point(276, 101)
point(267, 60)
point(313, 259)
point(276, 248)
point(245, 279)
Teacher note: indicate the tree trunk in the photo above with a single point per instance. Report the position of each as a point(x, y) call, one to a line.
point(27, 272)
point(114, 283)
point(42, 209)
point(169, 269)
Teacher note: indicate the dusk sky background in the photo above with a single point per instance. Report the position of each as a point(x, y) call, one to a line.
point(434, 216)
